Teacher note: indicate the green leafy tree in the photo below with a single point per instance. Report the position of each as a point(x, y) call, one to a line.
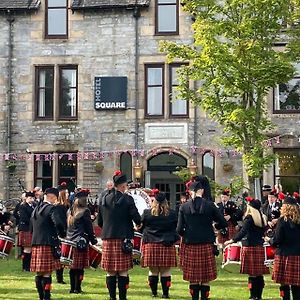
point(235, 64)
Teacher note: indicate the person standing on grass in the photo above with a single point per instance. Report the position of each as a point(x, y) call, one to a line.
point(117, 211)
point(197, 252)
point(159, 236)
point(286, 269)
point(25, 235)
point(253, 255)
point(46, 227)
point(80, 227)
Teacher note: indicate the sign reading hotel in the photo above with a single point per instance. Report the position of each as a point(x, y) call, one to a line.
point(110, 93)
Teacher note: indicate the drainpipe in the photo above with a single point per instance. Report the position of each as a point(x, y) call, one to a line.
point(136, 15)
point(10, 20)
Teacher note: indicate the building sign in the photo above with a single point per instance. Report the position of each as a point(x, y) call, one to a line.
point(110, 93)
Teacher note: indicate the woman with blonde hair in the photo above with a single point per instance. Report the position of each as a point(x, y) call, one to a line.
point(286, 270)
point(159, 252)
point(253, 255)
point(80, 231)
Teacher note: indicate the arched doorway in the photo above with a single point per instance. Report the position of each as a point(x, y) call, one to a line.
point(160, 170)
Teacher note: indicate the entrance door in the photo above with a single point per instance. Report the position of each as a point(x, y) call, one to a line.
point(161, 169)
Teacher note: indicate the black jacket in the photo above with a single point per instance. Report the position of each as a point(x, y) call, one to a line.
point(271, 212)
point(116, 213)
point(159, 229)
point(25, 215)
point(250, 234)
point(16, 213)
point(195, 221)
point(82, 227)
point(47, 225)
point(287, 238)
point(231, 209)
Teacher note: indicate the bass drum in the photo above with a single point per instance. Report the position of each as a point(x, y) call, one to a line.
point(141, 199)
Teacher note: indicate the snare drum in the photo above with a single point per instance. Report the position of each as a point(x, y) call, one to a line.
point(6, 244)
point(269, 254)
point(137, 244)
point(67, 248)
point(95, 256)
point(232, 257)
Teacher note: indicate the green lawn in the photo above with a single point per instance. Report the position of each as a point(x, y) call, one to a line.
point(15, 284)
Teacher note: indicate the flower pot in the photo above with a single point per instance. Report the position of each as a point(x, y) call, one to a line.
point(227, 167)
point(99, 167)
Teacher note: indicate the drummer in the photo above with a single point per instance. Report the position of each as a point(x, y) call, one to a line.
point(80, 231)
point(117, 211)
point(286, 269)
point(231, 214)
point(195, 225)
point(252, 257)
point(25, 235)
point(46, 226)
point(159, 236)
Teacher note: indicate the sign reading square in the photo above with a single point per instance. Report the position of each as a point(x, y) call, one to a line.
point(110, 93)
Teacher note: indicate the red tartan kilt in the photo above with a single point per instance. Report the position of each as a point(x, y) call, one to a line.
point(252, 261)
point(80, 259)
point(42, 260)
point(113, 259)
point(24, 239)
point(198, 262)
point(231, 233)
point(158, 255)
point(286, 270)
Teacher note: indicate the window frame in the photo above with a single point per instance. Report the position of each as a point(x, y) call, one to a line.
point(157, 32)
point(35, 163)
point(149, 66)
point(74, 153)
point(37, 90)
point(60, 92)
point(56, 36)
point(171, 115)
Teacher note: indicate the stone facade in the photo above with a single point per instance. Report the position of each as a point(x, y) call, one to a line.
point(100, 42)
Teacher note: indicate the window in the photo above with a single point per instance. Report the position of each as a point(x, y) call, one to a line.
point(167, 15)
point(56, 19)
point(44, 92)
point(68, 93)
point(287, 169)
point(178, 107)
point(287, 95)
point(126, 165)
point(154, 90)
point(208, 165)
point(49, 170)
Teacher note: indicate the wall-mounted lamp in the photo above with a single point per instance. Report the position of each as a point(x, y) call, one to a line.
point(137, 171)
point(193, 167)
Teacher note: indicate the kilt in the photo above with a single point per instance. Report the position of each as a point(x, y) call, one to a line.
point(286, 270)
point(24, 239)
point(198, 262)
point(252, 261)
point(230, 234)
point(113, 258)
point(80, 259)
point(158, 255)
point(42, 260)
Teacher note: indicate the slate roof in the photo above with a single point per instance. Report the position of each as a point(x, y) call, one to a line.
point(97, 4)
point(19, 5)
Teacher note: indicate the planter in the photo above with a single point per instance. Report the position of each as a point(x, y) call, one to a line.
point(227, 167)
point(11, 167)
point(99, 167)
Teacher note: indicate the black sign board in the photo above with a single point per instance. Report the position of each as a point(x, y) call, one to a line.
point(110, 93)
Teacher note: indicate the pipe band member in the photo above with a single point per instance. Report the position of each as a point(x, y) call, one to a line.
point(80, 227)
point(117, 211)
point(253, 254)
point(159, 238)
point(286, 269)
point(195, 225)
point(25, 236)
point(46, 226)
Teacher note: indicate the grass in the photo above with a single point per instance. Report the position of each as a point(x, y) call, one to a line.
point(15, 284)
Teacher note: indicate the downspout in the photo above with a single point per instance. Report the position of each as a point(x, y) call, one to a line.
point(10, 20)
point(136, 15)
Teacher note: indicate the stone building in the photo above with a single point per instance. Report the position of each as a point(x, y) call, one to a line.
point(84, 90)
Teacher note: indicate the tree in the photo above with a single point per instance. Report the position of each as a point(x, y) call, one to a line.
point(234, 59)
